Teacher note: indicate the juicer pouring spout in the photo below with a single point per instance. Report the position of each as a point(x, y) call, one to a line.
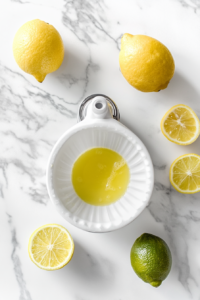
point(98, 106)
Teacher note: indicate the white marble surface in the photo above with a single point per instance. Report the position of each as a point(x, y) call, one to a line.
point(34, 115)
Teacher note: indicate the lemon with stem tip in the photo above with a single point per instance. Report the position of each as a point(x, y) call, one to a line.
point(145, 62)
point(38, 48)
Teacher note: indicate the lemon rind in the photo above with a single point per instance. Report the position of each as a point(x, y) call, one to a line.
point(171, 175)
point(174, 140)
point(69, 257)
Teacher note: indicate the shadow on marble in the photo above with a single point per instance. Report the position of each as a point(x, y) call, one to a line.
point(69, 62)
point(128, 234)
point(179, 91)
point(194, 147)
point(89, 267)
point(72, 70)
point(182, 90)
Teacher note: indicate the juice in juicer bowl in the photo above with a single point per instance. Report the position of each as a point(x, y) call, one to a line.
point(99, 127)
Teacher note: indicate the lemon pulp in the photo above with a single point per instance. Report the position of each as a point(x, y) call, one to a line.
point(51, 247)
point(100, 176)
point(180, 125)
point(184, 174)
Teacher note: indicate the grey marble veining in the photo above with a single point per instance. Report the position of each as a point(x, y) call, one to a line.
point(19, 1)
point(193, 4)
point(88, 21)
point(33, 116)
point(166, 209)
point(4, 182)
point(30, 91)
point(24, 293)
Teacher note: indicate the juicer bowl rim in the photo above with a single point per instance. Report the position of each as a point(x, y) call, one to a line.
point(82, 224)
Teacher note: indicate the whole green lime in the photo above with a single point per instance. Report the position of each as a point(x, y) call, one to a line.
point(151, 259)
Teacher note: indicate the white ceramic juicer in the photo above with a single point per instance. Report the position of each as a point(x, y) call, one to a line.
point(98, 126)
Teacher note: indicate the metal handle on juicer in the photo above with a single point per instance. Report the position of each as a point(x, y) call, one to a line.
point(82, 112)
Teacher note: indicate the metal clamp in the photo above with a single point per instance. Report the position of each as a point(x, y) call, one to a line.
point(82, 112)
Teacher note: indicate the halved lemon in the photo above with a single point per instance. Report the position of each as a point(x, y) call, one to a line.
point(184, 174)
point(180, 125)
point(51, 247)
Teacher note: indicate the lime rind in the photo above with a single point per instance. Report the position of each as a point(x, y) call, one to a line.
point(151, 259)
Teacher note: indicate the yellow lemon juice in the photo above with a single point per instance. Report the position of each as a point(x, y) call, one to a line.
point(100, 176)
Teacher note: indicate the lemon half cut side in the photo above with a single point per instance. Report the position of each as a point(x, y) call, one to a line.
point(180, 125)
point(51, 247)
point(184, 174)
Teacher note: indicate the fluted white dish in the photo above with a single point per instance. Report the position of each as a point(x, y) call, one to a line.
point(105, 133)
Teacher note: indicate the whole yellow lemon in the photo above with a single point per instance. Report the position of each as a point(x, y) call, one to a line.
point(145, 63)
point(38, 49)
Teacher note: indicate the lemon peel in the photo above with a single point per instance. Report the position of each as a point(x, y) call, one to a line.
point(38, 49)
point(145, 62)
